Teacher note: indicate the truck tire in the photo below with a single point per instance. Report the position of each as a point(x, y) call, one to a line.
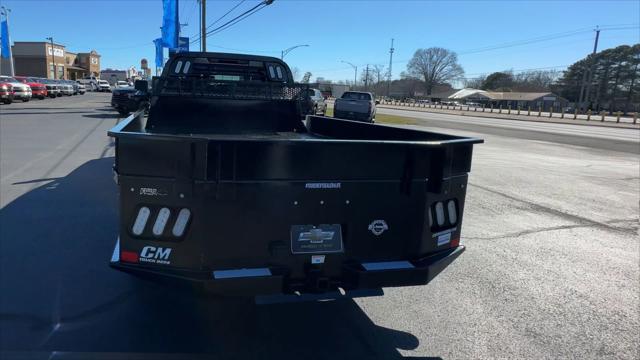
point(26, 99)
point(7, 101)
point(41, 97)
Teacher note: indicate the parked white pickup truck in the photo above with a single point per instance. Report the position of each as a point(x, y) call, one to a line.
point(356, 105)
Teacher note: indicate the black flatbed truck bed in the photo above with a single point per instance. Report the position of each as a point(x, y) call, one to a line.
point(329, 204)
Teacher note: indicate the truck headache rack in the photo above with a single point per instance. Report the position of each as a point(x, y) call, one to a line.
point(229, 89)
point(227, 106)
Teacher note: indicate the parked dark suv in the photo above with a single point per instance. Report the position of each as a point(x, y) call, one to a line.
point(130, 99)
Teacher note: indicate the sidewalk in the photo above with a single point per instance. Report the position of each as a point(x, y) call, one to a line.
point(596, 120)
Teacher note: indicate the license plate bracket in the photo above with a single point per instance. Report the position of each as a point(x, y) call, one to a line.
point(316, 239)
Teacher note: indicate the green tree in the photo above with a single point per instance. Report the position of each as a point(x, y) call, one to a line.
point(498, 81)
point(306, 77)
point(615, 81)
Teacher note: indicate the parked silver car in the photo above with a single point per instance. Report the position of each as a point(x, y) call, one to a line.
point(65, 87)
point(81, 88)
point(318, 104)
point(356, 105)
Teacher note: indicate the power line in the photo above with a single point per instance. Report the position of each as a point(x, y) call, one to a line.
point(233, 21)
point(537, 39)
point(478, 75)
point(225, 14)
point(237, 19)
point(220, 18)
point(245, 50)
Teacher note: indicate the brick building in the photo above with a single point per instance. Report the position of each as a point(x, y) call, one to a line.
point(37, 58)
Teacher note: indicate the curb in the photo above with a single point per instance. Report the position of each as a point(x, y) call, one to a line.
point(540, 119)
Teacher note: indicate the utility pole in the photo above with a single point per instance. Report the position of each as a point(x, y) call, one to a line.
point(584, 96)
point(390, 64)
point(366, 78)
point(53, 58)
point(591, 69)
point(203, 25)
point(5, 12)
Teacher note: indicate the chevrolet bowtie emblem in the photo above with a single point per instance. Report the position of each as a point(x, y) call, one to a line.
point(316, 236)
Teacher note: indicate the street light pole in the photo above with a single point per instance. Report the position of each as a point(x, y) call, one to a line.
point(286, 51)
point(355, 75)
point(53, 59)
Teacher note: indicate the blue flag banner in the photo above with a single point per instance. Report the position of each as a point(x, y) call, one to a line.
point(170, 24)
point(159, 55)
point(6, 43)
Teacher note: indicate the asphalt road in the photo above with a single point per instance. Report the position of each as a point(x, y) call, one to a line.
point(551, 268)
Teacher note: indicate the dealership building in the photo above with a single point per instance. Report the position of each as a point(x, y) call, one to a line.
point(513, 99)
point(41, 59)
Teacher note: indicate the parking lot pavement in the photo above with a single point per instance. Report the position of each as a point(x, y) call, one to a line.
point(551, 267)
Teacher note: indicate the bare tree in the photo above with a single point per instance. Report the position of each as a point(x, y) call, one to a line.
point(535, 80)
point(475, 83)
point(435, 66)
point(367, 77)
point(378, 73)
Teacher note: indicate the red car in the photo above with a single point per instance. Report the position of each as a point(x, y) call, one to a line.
point(38, 90)
point(6, 93)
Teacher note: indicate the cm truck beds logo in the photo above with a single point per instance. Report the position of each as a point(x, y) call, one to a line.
point(155, 255)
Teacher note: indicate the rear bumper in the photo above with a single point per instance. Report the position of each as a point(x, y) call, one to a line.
point(22, 95)
point(352, 116)
point(274, 280)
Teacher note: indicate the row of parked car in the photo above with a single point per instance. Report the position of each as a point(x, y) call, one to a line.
point(26, 87)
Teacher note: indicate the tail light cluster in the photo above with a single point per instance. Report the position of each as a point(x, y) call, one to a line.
point(443, 215)
point(160, 222)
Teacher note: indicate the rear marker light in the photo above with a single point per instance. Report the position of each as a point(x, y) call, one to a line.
point(129, 256)
point(141, 220)
point(451, 207)
point(161, 221)
point(181, 222)
point(440, 213)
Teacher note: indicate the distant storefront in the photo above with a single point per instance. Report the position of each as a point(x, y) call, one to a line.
point(41, 59)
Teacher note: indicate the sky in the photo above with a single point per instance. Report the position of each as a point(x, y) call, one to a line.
point(488, 35)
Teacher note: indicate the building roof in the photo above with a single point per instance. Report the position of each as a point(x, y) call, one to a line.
point(442, 94)
point(37, 42)
point(464, 93)
point(498, 95)
point(518, 96)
